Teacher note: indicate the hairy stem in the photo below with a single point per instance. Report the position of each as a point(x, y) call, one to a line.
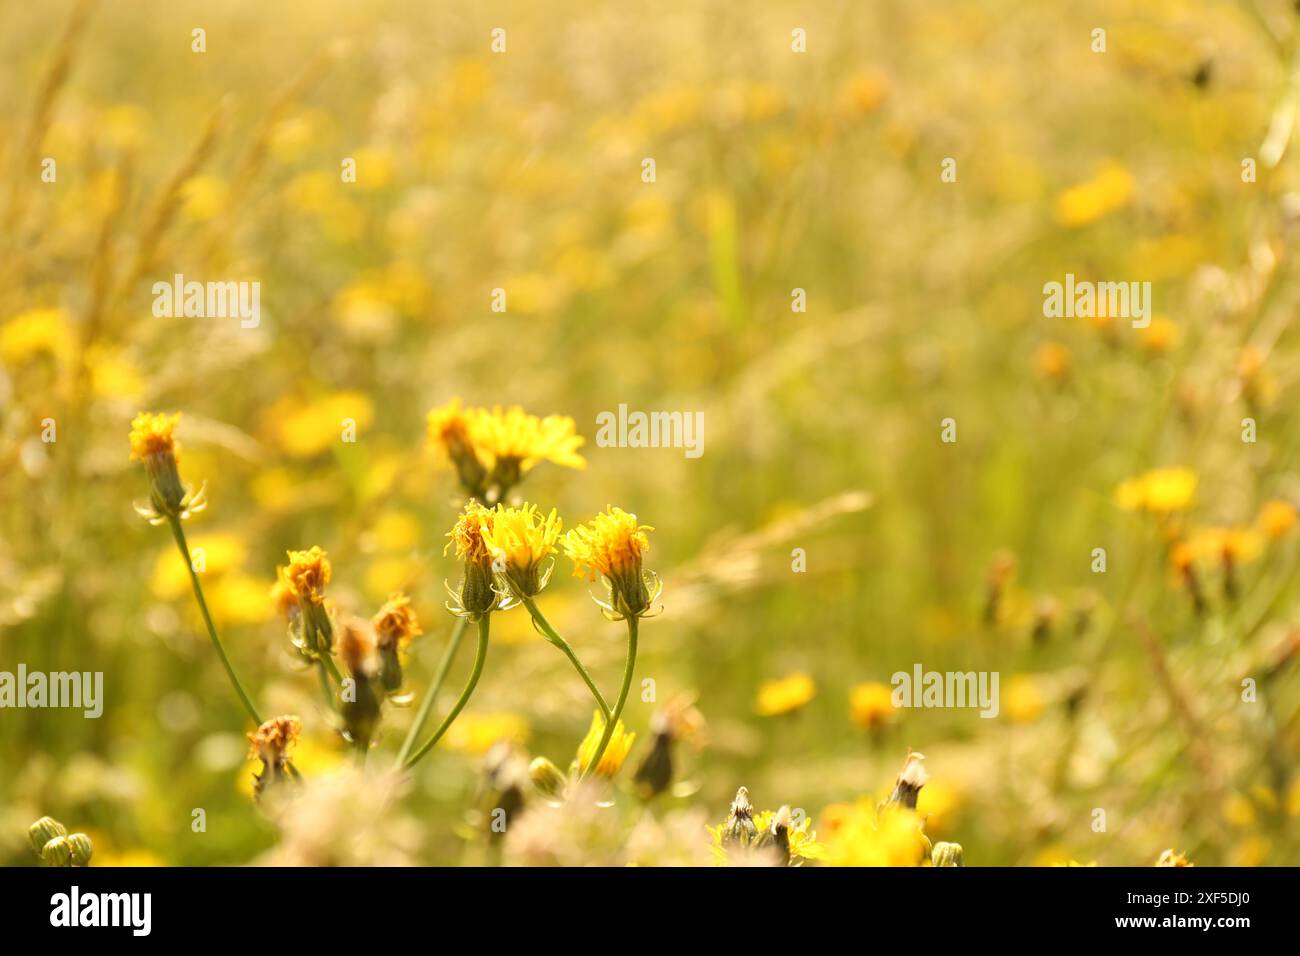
point(612, 721)
point(479, 657)
point(426, 705)
point(554, 637)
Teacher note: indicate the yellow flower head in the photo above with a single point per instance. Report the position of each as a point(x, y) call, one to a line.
point(513, 442)
point(858, 835)
point(153, 434)
point(784, 695)
point(307, 574)
point(153, 442)
point(283, 597)
point(611, 761)
point(1160, 491)
point(1277, 518)
point(358, 648)
point(610, 546)
point(449, 430)
point(273, 742)
point(396, 622)
point(519, 540)
point(476, 596)
point(871, 705)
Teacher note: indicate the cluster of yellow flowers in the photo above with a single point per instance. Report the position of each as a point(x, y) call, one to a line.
point(506, 551)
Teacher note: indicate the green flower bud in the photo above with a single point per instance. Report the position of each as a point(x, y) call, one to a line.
point(946, 854)
point(58, 852)
point(82, 849)
point(43, 831)
point(547, 778)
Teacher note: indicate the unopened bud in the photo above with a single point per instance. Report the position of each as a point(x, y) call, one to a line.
point(946, 854)
point(547, 778)
point(82, 849)
point(58, 852)
point(43, 831)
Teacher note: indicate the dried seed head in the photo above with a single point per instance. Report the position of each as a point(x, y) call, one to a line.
point(910, 781)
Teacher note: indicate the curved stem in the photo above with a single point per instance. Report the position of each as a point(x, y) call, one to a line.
point(179, 534)
point(554, 637)
point(426, 705)
point(612, 721)
point(475, 674)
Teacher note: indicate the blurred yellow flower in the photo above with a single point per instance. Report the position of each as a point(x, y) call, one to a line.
point(611, 761)
point(857, 835)
point(305, 430)
point(203, 198)
point(1052, 361)
point(784, 695)
point(871, 705)
point(36, 332)
point(863, 92)
point(1160, 491)
point(474, 734)
point(212, 554)
point(1086, 202)
point(1277, 518)
point(1160, 337)
point(1023, 701)
point(512, 442)
point(308, 573)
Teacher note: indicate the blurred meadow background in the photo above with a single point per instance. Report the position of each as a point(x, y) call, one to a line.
point(776, 170)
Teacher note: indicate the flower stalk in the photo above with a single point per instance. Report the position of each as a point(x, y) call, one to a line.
point(477, 672)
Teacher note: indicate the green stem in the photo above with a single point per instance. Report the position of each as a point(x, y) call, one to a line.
point(179, 534)
point(612, 721)
point(554, 637)
point(475, 674)
point(426, 705)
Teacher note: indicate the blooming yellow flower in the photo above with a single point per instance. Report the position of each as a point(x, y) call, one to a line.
point(1160, 491)
point(610, 546)
point(611, 761)
point(396, 622)
point(784, 695)
point(513, 442)
point(519, 540)
point(308, 573)
point(858, 835)
point(476, 596)
point(871, 705)
point(153, 434)
point(449, 431)
point(1086, 202)
point(1277, 518)
point(153, 442)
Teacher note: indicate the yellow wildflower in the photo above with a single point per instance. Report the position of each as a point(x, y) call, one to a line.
point(1277, 518)
point(1024, 701)
point(396, 622)
point(1160, 336)
point(513, 442)
point(449, 430)
point(1086, 202)
point(476, 596)
point(153, 442)
point(308, 573)
point(871, 705)
point(519, 540)
point(856, 835)
point(610, 546)
point(1052, 361)
point(611, 760)
point(784, 695)
point(1160, 491)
